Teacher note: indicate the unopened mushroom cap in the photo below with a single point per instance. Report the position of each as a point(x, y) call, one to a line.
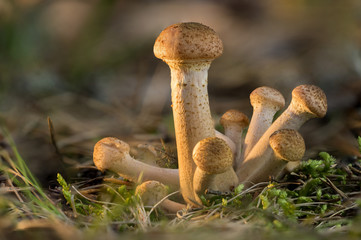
point(311, 99)
point(108, 150)
point(267, 96)
point(213, 155)
point(151, 192)
point(188, 41)
point(287, 144)
point(234, 117)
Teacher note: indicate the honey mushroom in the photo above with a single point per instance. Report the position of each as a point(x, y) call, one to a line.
point(113, 154)
point(234, 122)
point(212, 156)
point(154, 192)
point(188, 49)
point(266, 102)
point(308, 101)
point(287, 145)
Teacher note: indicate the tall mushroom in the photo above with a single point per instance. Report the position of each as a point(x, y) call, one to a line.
point(188, 49)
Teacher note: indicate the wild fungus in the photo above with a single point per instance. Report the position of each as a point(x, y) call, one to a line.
point(308, 101)
point(228, 140)
point(287, 146)
point(212, 156)
point(266, 102)
point(234, 122)
point(188, 49)
point(153, 192)
point(113, 154)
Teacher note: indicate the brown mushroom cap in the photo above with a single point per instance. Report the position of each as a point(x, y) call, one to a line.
point(287, 144)
point(188, 41)
point(213, 155)
point(311, 99)
point(267, 96)
point(107, 150)
point(151, 192)
point(234, 117)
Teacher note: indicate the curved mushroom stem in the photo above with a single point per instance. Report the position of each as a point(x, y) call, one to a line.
point(308, 102)
point(113, 154)
point(153, 192)
point(288, 146)
point(266, 102)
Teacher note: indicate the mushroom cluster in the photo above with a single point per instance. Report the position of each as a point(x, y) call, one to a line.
point(208, 159)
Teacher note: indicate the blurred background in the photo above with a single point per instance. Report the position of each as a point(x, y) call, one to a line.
point(89, 66)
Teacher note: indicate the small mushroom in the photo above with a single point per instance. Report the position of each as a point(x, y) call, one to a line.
point(212, 156)
point(113, 154)
point(229, 141)
point(234, 122)
point(308, 101)
point(288, 147)
point(188, 49)
point(266, 102)
point(153, 192)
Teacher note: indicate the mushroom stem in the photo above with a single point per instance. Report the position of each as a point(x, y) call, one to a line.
point(212, 157)
point(113, 154)
point(308, 102)
point(266, 102)
point(288, 146)
point(192, 117)
point(188, 49)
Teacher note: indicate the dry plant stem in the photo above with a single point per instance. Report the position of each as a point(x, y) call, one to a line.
point(113, 154)
point(308, 102)
point(266, 102)
point(287, 146)
point(188, 49)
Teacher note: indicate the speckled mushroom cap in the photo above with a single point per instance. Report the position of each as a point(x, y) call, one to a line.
point(267, 96)
point(151, 192)
point(107, 150)
point(213, 155)
point(234, 117)
point(188, 41)
point(287, 144)
point(311, 99)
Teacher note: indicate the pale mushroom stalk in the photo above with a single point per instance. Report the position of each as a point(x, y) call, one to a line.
point(212, 156)
point(287, 146)
point(234, 122)
point(188, 49)
point(308, 101)
point(113, 154)
point(153, 192)
point(266, 102)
